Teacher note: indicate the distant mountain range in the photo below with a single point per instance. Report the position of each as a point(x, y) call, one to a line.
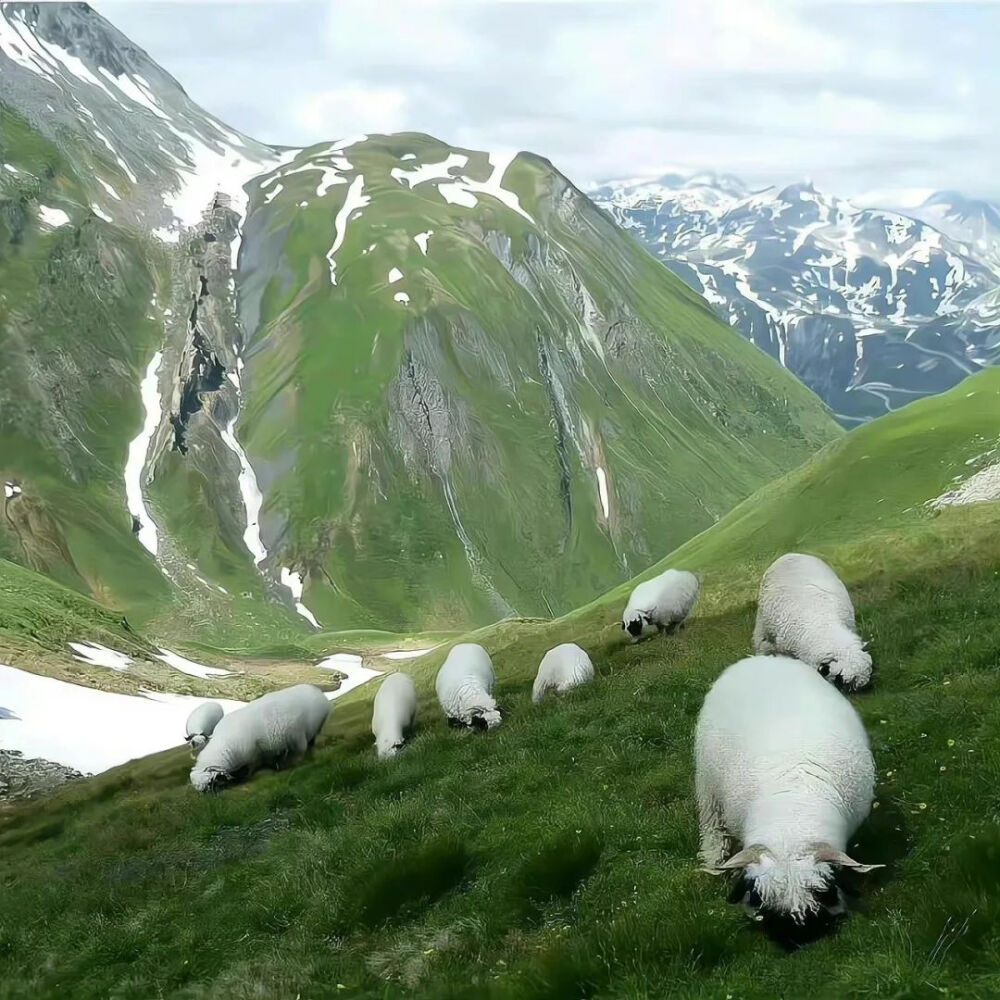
point(870, 308)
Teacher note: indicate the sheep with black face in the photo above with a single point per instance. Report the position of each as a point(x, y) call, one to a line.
point(784, 771)
point(273, 731)
point(661, 604)
point(201, 724)
point(805, 611)
point(464, 687)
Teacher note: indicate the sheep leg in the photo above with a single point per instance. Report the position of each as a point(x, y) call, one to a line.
point(293, 750)
point(715, 843)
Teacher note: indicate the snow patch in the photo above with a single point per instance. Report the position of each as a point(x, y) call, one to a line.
point(294, 583)
point(87, 729)
point(186, 666)
point(135, 92)
point(101, 215)
point(99, 656)
point(395, 275)
point(137, 451)
point(429, 171)
point(354, 199)
point(602, 489)
point(253, 499)
point(406, 654)
point(421, 239)
point(401, 297)
point(350, 665)
point(11, 490)
point(54, 218)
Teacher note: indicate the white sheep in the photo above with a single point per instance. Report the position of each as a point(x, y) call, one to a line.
point(805, 611)
point(783, 768)
point(464, 687)
point(564, 667)
point(661, 604)
point(201, 724)
point(393, 713)
point(274, 730)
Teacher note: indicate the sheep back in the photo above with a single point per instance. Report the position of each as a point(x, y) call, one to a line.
point(464, 685)
point(771, 725)
point(563, 667)
point(393, 712)
point(274, 728)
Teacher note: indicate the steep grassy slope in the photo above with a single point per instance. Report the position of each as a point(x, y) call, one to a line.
point(381, 382)
point(556, 857)
point(502, 404)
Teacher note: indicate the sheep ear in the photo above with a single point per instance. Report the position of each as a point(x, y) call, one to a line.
point(748, 856)
point(830, 855)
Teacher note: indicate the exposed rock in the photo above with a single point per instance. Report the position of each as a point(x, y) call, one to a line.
point(26, 777)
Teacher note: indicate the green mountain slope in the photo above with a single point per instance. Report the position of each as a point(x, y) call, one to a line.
point(443, 457)
point(211, 434)
point(556, 856)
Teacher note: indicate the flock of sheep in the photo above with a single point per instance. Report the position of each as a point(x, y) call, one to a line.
point(784, 773)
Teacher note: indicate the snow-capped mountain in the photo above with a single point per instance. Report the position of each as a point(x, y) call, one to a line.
point(870, 308)
point(381, 381)
point(972, 221)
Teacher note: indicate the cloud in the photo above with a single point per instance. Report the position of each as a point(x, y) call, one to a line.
point(862, 97)
point(351, 109)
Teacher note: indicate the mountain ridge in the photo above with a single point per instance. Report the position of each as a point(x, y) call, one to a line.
point(870, 308)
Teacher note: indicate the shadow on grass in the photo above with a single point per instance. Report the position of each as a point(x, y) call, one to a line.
point(403, 887)
point(555, 872)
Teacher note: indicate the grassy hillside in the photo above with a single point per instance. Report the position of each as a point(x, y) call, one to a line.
point(491, 345)
point(556, 856)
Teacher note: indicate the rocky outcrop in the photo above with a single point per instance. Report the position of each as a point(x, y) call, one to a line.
point(28, 777)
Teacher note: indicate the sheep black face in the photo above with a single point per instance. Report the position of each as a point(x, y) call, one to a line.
point(634, 626)
point(796, 898)
point(211, 779)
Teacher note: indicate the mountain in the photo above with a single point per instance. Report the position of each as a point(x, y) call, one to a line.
point(380, 382)
point(871, 309)
point(462, 869)
point(973, 221)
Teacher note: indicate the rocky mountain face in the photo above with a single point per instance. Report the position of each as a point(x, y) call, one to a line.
point(871, 309)
point(379, 382)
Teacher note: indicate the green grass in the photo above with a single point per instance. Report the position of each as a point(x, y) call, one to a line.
point(556, 856)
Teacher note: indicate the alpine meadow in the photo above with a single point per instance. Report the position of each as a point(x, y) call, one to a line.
point(274, 417)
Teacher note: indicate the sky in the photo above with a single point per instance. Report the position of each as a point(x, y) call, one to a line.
point(881, 102)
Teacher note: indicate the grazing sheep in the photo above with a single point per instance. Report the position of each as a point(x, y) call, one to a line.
point(783, 769)
point(562, 668)
point(269, 732)
point(393, 713)
point(805, 611)
point(464, 685)
point(663, 603)
point(201, 724)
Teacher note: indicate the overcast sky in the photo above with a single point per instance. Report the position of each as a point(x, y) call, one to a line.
point(878, 101)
